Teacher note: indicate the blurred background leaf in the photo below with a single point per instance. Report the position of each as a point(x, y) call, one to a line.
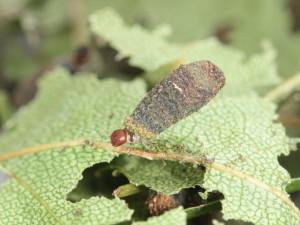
point(260, 49)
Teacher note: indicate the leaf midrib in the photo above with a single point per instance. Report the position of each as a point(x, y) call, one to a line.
point(150, 156)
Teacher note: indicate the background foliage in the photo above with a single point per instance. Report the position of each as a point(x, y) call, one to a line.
point(78, 68)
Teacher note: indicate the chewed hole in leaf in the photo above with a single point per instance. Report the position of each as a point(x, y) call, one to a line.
point(167, 177)
point(104, 178)
point(98, 180)
point(110, 56)
point(289, 164)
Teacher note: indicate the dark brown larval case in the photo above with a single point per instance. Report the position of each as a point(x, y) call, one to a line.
point(181, 93)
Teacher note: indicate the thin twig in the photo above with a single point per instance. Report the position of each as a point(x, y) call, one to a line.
point(156, 155)
point(283, 89)
point(41, 148)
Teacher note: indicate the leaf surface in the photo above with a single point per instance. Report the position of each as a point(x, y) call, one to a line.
point(174, 216)
point(150, 51)
point(234, 23)
point(236, 134)
point(166, 177)
point(66, 108)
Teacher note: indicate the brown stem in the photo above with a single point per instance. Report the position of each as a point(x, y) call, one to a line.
point(157, 155)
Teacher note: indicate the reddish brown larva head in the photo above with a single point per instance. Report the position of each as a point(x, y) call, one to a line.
point(123, 136)
point(118, 137)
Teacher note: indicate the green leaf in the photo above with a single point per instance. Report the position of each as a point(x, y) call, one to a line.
point(243, 142)
point(234, 136)
point(174, 216)
point(203, 209)
point(233, 21)
point(150, 51)
point(65, 108)
point(293, 186)
point(126, 190)
point(166, 177)
point(251, 30)
point(90, 110)
point(237, 135)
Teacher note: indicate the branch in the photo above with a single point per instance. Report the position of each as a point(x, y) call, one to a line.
point(201, 159)
point(283, 89)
